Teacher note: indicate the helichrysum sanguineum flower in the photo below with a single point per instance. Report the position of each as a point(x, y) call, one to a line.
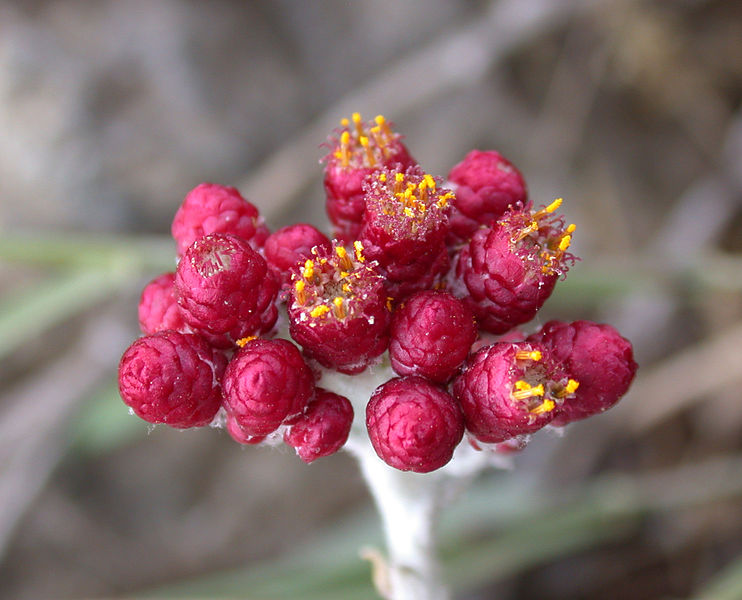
point(428, 278)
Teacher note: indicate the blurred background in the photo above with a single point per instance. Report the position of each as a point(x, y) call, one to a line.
point(111, 111)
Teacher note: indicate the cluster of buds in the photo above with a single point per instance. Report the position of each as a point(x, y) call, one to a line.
point(425, 277)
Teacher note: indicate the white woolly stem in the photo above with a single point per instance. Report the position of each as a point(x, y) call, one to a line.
point(409, 503)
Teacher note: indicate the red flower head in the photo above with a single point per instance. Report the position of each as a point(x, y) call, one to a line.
point(158, 309)
point(266, 383)
point(357, 150)
point(338, 309)
point(224, 288)
point(404, 229)
point(595, 355)
point(487, 185)
point(211, 208)
point(507, 271)
point(413, 425)
point(510, 389)
point(431, 335)
point(172, 378)
point(323, 428)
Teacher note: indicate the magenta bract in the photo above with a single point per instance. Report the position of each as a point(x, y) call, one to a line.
point(158, 309)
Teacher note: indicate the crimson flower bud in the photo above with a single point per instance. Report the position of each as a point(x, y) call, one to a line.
point(323, 428)
point(597, 357)
point(238, 434)
point(413, 424)
point(404, 228)
point(486, 186)
point(158, 309)
point(431, 335)
point(509, 389)
point(266, 383)
point(287, 247)
point(507, 271)
point(212, 208)
point(338, 309)
point(357, 150)
point(172, 378)
point(224, 288)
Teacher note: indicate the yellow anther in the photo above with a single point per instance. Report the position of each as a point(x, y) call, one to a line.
point(346, 288)
point(570, 228)
point(345, 261)
point(430, 182)
point(554, 205)
point(546, 406)
point(242, 342)
point(389, 301)
point(568, 389)
point(521, 385)
point(528, 355)
point(308, 269)
point(343, 274)
point(382, 177)
point(318, 311)
point(524, 393)
point(359, 251)
point(299, 286)
point(409, 212)
point(564, 243)
point(344, 122)
point(339, 307)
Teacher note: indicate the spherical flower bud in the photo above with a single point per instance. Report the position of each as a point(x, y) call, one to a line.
point(338, 309)
point(323, 428)
point(212, 208)
point(431, 335)
point(266, 383)
point(507, 271)
point(224, 288)
point(172, 378)
point(404, 228)
point(357, 150)
point(413, 424)
point(486, 186)
point(510, 389)
point(158, 309)
point(287, 247)
point(597, 357)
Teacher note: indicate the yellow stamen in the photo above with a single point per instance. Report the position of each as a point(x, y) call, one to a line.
point(398, 179)
point(409, 213)
point(570, 228)
point(318, 311)
point(242, 342)
point(528, 355)
point(344, 122)
point(359, 251)
point(564, 243)
point(382, 177)
point(381, 122)
point(430, 181)
point(369, 152)
point(546, 406)
point(345, 261)
point(554, 205)
point(524, 393)
point(346, 288)
point(339, 308)
point(344, 148)
point(308, 269)
point(357, 122)
point(299, 286)
point(389, 301)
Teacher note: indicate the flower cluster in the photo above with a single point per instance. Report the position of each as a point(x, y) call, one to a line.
point(427, 276)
